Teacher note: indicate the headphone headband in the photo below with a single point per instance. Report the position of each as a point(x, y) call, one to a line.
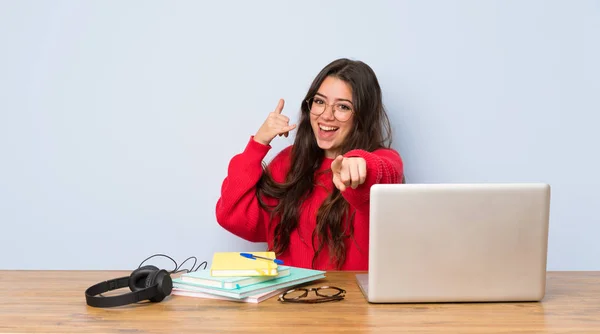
point(120, 300)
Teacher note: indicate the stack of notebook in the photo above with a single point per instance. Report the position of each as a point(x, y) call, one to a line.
point(237, 278)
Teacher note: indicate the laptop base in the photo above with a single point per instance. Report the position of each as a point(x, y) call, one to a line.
point(363, 284)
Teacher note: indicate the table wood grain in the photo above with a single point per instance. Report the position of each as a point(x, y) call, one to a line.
point(54, 302)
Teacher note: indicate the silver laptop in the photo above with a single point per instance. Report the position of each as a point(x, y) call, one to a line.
point(457, 243)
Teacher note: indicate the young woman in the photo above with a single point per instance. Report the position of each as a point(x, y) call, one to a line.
point(310, 204)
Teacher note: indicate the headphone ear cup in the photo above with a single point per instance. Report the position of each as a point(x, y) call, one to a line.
point(139, 277)
point(151, 279)
point(164, 282)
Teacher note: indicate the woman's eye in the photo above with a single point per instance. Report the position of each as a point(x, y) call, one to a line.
point(344, 107)
point(319, 101)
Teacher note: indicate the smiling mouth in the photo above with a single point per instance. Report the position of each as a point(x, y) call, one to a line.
point(327, 128)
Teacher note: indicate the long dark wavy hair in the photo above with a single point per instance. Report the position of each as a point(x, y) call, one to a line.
point(371, 131)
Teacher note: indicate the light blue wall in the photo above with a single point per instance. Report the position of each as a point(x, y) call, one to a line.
point(118, 118)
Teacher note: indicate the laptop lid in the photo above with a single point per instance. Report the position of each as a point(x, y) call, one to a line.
point(458, 242)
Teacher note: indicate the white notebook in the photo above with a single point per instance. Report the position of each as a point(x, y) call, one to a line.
point(255, 299)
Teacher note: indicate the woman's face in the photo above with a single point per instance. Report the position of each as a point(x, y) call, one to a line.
point(331, 115)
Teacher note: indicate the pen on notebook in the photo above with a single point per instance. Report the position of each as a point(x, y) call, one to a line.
point(255, 257)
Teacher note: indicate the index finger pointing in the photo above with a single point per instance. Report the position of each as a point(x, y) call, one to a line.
point(336, 165)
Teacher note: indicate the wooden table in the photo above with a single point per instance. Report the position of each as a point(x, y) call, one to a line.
point(53, 301)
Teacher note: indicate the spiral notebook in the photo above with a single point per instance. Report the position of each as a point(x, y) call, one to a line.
point(204, 278)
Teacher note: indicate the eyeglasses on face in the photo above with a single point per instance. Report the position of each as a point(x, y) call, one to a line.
point(323, 294)
point(342, 111)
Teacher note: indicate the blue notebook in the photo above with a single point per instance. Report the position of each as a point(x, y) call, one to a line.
point(296, 276)
point(204, 278)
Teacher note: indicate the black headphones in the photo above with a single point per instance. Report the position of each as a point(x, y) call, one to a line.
point(145, 283)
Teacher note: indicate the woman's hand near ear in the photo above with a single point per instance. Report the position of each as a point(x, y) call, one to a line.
point(276, 124)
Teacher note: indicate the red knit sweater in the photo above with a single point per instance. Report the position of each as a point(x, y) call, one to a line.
point(239, 212)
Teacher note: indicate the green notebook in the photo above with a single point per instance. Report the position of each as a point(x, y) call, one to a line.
point(204, 278)
point(296, 276)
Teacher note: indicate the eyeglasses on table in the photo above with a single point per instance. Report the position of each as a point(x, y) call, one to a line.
point(322, 294)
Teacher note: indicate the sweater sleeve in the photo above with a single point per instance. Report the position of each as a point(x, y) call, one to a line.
point(238, 210)
point(383, 166)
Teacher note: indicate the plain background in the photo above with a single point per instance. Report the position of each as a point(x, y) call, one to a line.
point(118, 118)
